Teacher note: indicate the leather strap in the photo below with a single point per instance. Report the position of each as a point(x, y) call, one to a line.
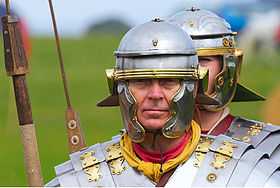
point(165, 177)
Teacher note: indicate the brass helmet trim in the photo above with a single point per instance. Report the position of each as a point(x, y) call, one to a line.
point(209, 36)
point(153, 73)
point(214, 51)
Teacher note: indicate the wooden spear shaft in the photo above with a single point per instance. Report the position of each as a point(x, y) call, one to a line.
point(17, 67)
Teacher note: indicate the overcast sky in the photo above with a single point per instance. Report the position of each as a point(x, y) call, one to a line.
point(74, 16)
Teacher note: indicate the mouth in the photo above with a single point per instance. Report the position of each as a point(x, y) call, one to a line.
point(155, 112)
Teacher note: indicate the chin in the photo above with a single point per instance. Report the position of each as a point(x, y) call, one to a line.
point(153, 124)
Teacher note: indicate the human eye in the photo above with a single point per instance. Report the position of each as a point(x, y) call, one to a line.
point(169, 83)
point(205, 61)
point(139, 83)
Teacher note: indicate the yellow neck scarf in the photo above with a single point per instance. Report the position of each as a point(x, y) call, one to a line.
point(154, 171)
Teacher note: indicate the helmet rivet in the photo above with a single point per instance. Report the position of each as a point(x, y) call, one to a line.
point(226, 42)
point(191, 23)
point(194, 9)
point(220, 81)
point(155, 42)
point(157, 19)
point(231, 82)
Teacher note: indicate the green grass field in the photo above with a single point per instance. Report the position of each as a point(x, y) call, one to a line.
point(85, 62)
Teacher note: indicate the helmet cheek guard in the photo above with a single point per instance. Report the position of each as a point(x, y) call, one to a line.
point(128, 108)
point(182, 107)
point(225, 82)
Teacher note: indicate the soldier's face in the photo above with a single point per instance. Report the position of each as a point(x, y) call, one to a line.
point(214, 65)
point(153, 97)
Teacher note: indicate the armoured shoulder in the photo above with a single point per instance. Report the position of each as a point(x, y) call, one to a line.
point(234, 163)
point(211, 162)
point(219, 161)
point(251, 131)
point(99, 165)
point(87, 167)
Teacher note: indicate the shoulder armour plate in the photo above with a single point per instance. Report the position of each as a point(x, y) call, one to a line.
point(98, 165)
point(220, 162)
point(229, 162)
point(262, 172)
point(250, 131)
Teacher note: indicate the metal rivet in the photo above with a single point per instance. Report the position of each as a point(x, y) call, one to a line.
point(72, 124)
point(191, 23)
point(220, 81)
point(6, 32)
point(194, 9)
point(75, 140)
point(246, 139)
point(231, 82)
point(157, 19)
point(155, 42)
point(226, 42)
point(211, 177)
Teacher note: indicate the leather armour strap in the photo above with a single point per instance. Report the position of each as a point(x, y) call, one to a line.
point(165, 177)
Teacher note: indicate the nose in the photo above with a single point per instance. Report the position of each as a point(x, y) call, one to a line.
point(155, 91)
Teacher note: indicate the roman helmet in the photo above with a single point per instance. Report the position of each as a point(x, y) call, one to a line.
point(156, 49)
point(212, 36)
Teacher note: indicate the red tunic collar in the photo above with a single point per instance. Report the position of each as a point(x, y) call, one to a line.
point(222, 127)
point(155, 157)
